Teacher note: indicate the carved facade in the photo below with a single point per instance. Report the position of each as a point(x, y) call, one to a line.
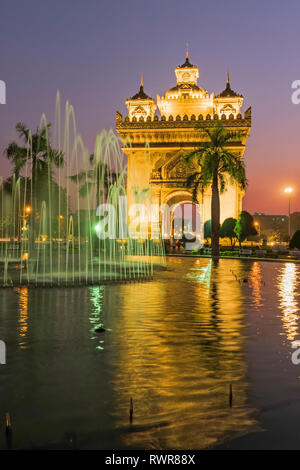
point(155, 146)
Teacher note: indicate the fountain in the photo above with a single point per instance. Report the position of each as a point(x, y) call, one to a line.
point(50, 230)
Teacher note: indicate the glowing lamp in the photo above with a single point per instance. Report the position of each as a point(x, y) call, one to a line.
point(288, 190)
point(25, 257)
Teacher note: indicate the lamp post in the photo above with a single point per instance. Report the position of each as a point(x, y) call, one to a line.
point(24, 217)
point(289, 191)
point(257, 226)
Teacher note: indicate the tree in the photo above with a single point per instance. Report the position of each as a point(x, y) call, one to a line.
point(15, 197)
point(286, 238)
point(207, 229)
point(275, 237)
point(216, 167)
point(107, 184)
point(99, 177)
point(227, 229)
point(295, 240)
point(38, 153)
point(244, 226)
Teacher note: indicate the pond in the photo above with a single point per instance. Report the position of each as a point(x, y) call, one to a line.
point(174, 345)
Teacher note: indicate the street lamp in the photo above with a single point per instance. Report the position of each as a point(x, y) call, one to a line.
point(289, 191)
point(257, 226)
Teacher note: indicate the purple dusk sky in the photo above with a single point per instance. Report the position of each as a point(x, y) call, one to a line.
point(94, 52)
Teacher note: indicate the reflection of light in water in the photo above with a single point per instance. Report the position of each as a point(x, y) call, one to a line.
point(287, 285)
point(180, 344)
point(202, 275)
point(96, 298)
point(255, 279)
point(23, 314)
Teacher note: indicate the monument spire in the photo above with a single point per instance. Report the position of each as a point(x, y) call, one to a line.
point(228, 92)
point(187, 62)
point(142, 82)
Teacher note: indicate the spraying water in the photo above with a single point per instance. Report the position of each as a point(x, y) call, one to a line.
point(50, 233)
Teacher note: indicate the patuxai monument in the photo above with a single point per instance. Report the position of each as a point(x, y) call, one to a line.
point(155, 145)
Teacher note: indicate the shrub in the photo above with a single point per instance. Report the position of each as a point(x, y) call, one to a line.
point(295, 240)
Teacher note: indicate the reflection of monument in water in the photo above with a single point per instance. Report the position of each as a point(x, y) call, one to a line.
point(178, 357)
point(160, 166)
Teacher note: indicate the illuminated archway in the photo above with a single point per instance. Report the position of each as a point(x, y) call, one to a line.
point(185, 217)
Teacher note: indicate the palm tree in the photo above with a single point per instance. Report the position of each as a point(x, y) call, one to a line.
point(215, 164)
point(37, 150)
point(38, 153)
point(99, 177)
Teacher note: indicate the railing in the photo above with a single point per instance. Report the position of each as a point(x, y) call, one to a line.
point(208, 119)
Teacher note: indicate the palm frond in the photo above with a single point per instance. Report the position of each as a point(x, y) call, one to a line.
point(17, 155)
point(195, 181)
point(56, 157)
point(82, 176)
point(85, 189)
point(191, 157)
point(22, 130)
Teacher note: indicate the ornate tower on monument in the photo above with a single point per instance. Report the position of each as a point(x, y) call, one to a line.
point(155, 145)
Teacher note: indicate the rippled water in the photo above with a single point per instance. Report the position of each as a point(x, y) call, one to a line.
point(174, 345)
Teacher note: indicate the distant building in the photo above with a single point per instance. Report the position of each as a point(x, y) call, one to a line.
point(271, 225)
point(295, 222)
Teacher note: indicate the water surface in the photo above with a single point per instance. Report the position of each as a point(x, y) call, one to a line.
point(173, 345)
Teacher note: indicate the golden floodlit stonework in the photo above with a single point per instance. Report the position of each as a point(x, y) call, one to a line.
point(155, 146)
